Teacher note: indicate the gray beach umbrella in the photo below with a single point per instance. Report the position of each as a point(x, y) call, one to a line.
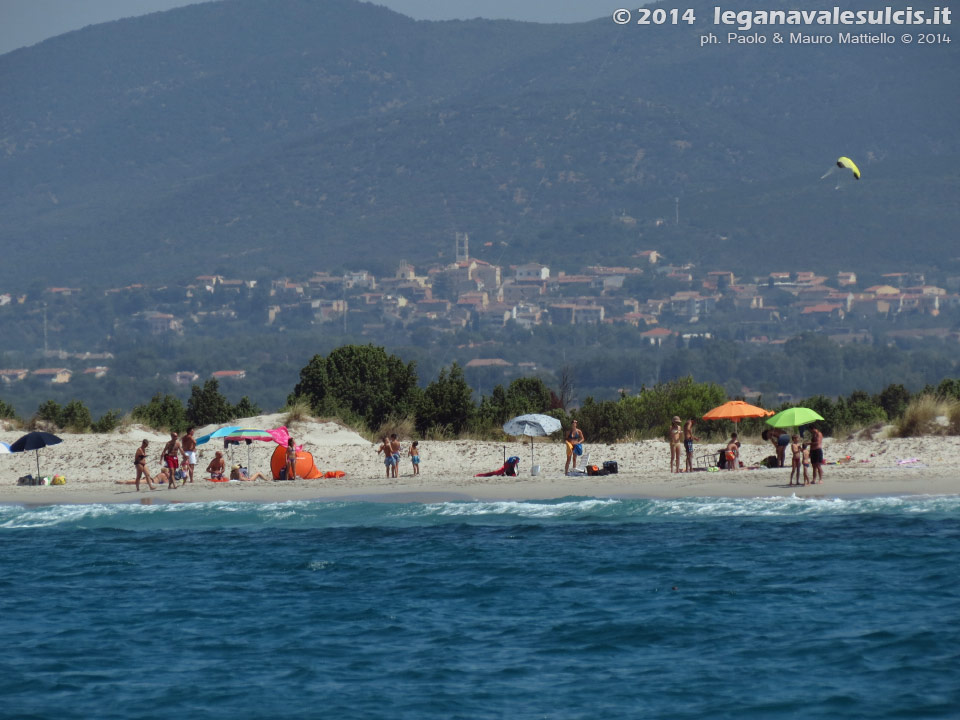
point(533, 425)
point(35, 441)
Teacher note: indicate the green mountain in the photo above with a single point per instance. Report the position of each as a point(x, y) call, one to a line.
point(254, 136)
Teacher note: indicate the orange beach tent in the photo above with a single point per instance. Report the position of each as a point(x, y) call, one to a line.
point(306, 468)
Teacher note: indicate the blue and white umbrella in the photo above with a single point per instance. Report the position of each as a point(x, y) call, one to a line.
point(4, 448)
point(533, 425)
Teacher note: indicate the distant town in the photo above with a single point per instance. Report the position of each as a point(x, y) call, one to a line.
point(469, 293)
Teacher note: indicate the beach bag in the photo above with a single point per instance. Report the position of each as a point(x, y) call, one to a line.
point(282, 475)
point(58, 480)
point(28, 480)
point(722, 461)
point(578, 449)
point(611, 467)
point(770, 462)
point(593, 470)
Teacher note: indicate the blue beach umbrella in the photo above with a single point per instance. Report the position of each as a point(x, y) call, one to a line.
point(221, 433)
point(35, 441)
point(4, 448)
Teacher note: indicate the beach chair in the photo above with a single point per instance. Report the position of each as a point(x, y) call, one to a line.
point(705, 462)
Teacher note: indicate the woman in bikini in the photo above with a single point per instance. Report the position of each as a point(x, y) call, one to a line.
point(291, 460)
point(675, 436)
point(140, 463)
point(574, 437)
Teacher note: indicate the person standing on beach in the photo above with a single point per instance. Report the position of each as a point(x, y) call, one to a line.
point(688, 438)
point(732, 453)
point(291, 460)
point(140, 463)
point(574, 437)
point(797, 449)
point(387, 451)
point(189, 453)
point(395, 450)
point(415, 457)
point(816, 454)
point(171, 460)
point(675, 437)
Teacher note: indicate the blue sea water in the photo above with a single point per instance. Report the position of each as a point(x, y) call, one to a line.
point(573, 608)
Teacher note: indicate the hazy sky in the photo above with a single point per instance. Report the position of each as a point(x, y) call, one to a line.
point(25, 22)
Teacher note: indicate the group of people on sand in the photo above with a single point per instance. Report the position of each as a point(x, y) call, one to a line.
point(179, 451)
point(805, 455)
point(392, 452)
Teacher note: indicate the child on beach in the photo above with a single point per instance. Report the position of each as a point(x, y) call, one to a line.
point(797, 451)
point(806, 463)
point(415, 457)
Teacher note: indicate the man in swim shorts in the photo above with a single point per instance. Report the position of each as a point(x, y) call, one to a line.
point(171, 460)
point(189, 453)
point(816, 454)
point(387, 451)
point(395, 450)
point(217, 467)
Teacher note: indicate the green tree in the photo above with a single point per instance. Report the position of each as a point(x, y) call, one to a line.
point(50, 412)
point(894, 400)
point(604, 421)
point(361, 379)
point(207, 406)
point(527, 395)
point(245, 408)
point(447, 403)
point(162, 413)
point(7, 411)
point(76, 417)
point(108, 422)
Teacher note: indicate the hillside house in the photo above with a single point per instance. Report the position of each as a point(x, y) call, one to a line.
point(531, 271)
point(229, 374)
point(56, 376)
point(12, 376)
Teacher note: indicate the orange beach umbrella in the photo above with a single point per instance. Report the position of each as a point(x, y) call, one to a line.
point(737, 410)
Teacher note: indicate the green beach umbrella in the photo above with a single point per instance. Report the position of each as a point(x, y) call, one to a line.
point(794, 417)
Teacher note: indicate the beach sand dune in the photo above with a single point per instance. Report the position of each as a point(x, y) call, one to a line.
point(94, 463)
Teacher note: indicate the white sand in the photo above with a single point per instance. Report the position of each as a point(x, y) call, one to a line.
point(93, 463)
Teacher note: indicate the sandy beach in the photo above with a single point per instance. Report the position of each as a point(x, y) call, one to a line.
point(97, 467)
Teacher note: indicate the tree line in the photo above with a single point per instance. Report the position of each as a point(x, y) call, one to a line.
point(369, 389)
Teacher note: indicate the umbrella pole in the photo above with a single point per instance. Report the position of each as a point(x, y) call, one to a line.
point(38, 462)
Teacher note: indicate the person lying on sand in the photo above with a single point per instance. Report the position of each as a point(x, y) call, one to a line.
point(239, 473)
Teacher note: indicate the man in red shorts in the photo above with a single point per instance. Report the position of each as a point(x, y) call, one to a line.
point(171, 459)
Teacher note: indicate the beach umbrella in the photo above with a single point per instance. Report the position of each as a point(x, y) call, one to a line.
point(34, 441)
point(248, 435)
point(736, 410)
point(222, 432)
point(533, 425)
point(794, 417)
point(4, 448)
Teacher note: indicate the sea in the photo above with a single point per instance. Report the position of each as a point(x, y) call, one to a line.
point(571, 608)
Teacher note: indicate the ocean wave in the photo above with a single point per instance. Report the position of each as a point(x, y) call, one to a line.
point(321, 514)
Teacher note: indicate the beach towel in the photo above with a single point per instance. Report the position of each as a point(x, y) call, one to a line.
point(508, 468)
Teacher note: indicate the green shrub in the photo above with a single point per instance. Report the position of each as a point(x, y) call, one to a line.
point(108, 422)
point(162, 413)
